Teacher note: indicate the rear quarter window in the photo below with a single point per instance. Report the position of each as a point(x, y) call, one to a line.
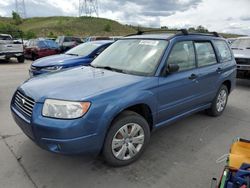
point(224, 51)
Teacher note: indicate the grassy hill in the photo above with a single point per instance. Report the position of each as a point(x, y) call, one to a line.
point(77, 26)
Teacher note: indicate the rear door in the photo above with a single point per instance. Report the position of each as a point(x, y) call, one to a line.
point(209, 70)
point(178, 91)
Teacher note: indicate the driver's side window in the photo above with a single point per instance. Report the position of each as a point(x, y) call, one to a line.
point(183, 55)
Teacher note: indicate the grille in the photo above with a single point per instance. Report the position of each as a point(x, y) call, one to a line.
point(24, 103)
point(243, 61)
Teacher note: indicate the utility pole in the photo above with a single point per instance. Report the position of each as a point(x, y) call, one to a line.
point(20, 8)
point(88, 7)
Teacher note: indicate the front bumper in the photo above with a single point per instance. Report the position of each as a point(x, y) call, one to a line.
point(59, 136)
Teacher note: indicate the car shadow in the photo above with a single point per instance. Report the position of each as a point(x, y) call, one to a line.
point(172, 150)
point(11, 61)
point(243, 82)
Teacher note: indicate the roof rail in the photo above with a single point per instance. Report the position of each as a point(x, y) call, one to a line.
point(177, 31)
point(141, 32)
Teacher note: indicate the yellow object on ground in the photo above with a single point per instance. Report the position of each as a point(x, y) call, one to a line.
point(239, 153)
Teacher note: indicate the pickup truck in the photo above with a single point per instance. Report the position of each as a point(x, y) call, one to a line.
point(10, 48)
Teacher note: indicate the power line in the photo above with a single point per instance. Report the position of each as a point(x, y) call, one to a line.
point(88, 7)
point(20, 8)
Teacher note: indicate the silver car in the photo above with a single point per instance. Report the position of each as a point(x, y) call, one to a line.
point(241, 50)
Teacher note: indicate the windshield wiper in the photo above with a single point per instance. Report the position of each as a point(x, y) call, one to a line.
point(109, 68)
point(72, 54)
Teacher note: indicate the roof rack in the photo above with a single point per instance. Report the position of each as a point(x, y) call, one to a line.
point(176, 31)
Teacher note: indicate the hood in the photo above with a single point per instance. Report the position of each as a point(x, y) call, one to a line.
point(241, 53)
point(76, 84)
point(61, 59)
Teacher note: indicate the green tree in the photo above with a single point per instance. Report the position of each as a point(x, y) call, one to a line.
point(107, 28)
point(29, 35)
point(17, 18)
point(201, 29)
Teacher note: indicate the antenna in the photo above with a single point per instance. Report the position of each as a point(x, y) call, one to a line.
point(89, 7)
point(20, 8)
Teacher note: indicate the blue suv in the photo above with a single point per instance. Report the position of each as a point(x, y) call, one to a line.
point(82, 54)
point(140, 83)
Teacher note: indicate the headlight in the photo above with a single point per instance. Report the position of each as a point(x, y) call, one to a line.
point(64, 109)
point(53, 68)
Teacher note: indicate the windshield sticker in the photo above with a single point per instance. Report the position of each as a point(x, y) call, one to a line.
point(149, 42)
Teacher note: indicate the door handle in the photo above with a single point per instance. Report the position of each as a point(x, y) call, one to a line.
point(192, 76)
point(219, 70)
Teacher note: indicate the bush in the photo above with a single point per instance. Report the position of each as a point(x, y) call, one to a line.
point(29, 35)
point(10, 29)
point(107, 28)
point(17, 18)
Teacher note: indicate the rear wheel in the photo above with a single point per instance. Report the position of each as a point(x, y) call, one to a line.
point(128, 136)
point(20, 59)
point(219, 103)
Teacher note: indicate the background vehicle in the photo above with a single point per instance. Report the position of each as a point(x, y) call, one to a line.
point(37, 48)
point(67, 42)
point(138, 84)
point(241, 50)
point(95, 38)
point(10, 48)
point(82, 54)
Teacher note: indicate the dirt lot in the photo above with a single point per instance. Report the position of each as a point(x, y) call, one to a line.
point(180, 155)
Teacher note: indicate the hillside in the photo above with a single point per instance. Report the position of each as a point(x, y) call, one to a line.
point(78, 26)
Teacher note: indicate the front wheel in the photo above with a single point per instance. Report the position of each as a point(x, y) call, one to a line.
point(220, 102)
point(20, 59)
point(129, 134)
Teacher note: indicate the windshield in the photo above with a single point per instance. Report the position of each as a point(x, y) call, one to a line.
point(241, 44)
point(135, 56)
point(83, 49)
point(5, 37)
point(47, 44)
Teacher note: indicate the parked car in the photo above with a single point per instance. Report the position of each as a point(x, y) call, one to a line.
point(241, 50)
point(95, 38)
point(231, 40)
point(67, 42)
point(37, 48)
point(10, 48)
point(138, 84)
point(82, 54)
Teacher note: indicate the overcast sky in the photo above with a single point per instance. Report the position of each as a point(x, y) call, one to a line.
point(232, 16)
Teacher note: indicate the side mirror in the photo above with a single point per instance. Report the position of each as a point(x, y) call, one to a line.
point(172, 68)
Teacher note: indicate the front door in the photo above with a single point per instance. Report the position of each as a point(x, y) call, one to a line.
point(178, 91)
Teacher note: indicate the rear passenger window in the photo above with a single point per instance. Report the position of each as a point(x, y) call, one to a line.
point(224, 51)
point(205, 53)
point(183, 55)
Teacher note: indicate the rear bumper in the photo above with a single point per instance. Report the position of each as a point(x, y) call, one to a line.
point(11, 54)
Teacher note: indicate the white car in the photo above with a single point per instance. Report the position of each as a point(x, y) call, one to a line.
point(10, 48)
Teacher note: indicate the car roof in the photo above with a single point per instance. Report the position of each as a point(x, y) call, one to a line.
point(168, 36)
point(152, 36)
point(101, 41)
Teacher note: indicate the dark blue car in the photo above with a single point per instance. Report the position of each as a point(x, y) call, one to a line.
point(138, 84)
point(82, 54)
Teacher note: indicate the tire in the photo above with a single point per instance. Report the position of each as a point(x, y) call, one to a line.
point(20, 59)
point(132, 145)
point(34, 57)
point(217, 109)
